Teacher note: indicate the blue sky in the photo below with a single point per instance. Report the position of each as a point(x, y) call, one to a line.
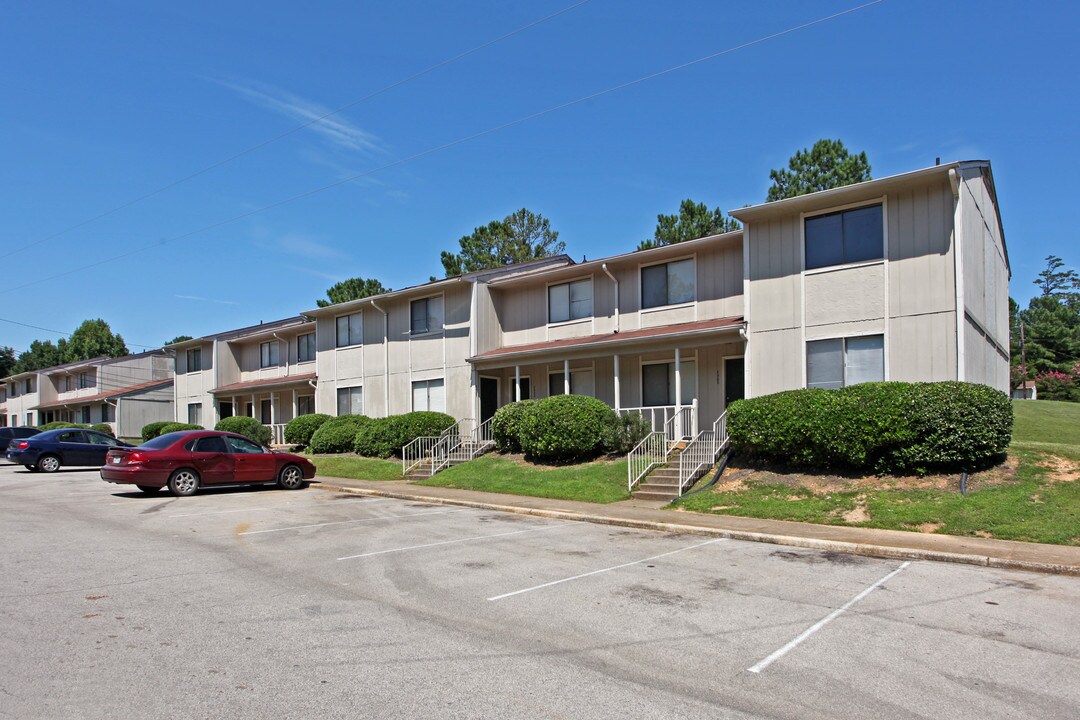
point(105, 102)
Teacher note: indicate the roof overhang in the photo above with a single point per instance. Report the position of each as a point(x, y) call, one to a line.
point(267, 383)
point(108, 395)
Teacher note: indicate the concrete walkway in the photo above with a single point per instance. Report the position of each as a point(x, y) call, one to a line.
point(1008, 554)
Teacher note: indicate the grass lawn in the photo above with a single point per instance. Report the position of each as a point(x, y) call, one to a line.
point(1035, 497)
point(356, 467)
point(600, 481)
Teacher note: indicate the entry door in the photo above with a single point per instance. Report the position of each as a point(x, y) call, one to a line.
point(489, 397)
point(734, 380)
point(526, 388)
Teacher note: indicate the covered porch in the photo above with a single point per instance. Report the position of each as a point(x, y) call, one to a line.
point(274, 402)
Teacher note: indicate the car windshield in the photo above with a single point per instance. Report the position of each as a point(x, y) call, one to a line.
point(161, 441)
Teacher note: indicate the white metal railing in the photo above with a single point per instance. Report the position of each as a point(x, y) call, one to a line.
point(702, 452)
point(422, 449)
point(676, 421)
point(652, 451)
point(462, 446)
point(277, 433)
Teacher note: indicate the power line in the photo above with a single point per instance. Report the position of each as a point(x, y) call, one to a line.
point(297, 128)
point(448, 145)
point(67, 335)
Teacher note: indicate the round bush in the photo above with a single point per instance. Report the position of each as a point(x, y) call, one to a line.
point(564, 428)
point(177, 427)
point(249, 427)
point(883, 427)
point(421, 423)
point(337, 434)
point(152, 430)
point(378, 438)
point(104, 428)
point(623, 432)
point(506, 425)
point(59, 425)
point(299, 430)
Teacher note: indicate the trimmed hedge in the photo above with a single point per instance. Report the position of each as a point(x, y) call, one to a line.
point(884, 427)
point(384, 437)
point(337, 434)
point(299, 430)
point(564, 428)
point(59, 425)
point(506, 425)
point(152, 430)
point(177, 427)
point(104, 428)
point(249, 427)
point(622, 433)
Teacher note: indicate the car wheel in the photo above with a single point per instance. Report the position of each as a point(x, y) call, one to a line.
point(148, 489)
point(290, 478)
point(32, 468)
point(48, 463)
point(184, 482)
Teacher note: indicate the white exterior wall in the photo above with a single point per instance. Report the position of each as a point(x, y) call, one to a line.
point(194, 386)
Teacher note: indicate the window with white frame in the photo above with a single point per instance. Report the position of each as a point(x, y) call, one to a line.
point(269, 354)
point(839, 362)
point(429, 395)
point(28, 386)
point(570, 301)
point(426, 315)
point(581, 383)
point(658, 383)
point(667, 284)
point(194, 413)
point(194, 360)
point(349, 330)
point(350, 400)
point(848, 236)
point(305, 348)
point(86, 380)
point(305, 405)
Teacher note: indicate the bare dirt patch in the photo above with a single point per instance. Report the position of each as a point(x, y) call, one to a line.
point(857, 514)
point(1061, 470)
point(930, 527)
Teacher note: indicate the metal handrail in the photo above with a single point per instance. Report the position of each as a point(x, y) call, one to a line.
point(652, 451)
point(277, 433)
point(702, 452)
point(677, 421)
point(455, 446)
point(422, 448)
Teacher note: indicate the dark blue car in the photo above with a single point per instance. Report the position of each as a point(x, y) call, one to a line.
point(50, 450)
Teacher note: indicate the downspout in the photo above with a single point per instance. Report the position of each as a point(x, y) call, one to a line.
point(958, 270)
point(607, 272)
point(386, 357)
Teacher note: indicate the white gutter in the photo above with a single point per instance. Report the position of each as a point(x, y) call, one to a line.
point(958, 269)
point(607, 272)
point(386, 356)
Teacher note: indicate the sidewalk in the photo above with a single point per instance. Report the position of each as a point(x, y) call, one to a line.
point(1007, 554)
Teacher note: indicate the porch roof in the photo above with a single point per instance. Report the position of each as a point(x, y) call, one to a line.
point(268, 382)
point(108, 394)
point(627, 337)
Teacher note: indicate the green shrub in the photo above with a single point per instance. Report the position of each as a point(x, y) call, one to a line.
point(337, 434)
point(564, 428)
point(622, 432)
point(249, 427)
point(299, 430)
point(104, 428)
point(884, 427)
point(152, 430)
point(506, 425)
point(59, 425)
point(378, 438)
point(177, 427)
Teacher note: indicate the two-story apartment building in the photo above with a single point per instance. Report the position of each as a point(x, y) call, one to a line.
point(125, 392)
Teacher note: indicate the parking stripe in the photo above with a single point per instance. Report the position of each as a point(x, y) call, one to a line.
point(451, 542)
point(345, 522)
point(823, 622)
point(597, 572)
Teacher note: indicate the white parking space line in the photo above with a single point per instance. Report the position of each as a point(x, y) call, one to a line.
point(286, 506)
point(451, 542)
point(603, 570)
point(346, 522)
point(823, 622)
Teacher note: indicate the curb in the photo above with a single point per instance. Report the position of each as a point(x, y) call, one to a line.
point(850, 548)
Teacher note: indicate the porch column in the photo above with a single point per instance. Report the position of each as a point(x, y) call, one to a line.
point(566, 377)
point(254, 406)
point(294, 408)
point(517, 383)
point(273, 409)
point(235, 406)
point(618, 400)
point(678, 394)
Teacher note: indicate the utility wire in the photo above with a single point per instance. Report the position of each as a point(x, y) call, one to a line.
point(68, 335)
point(297, 128)
point(452, 143)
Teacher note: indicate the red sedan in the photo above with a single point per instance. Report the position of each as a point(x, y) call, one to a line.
point(185, 461)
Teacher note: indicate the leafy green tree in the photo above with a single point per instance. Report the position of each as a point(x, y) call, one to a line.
point(826, 165)
point(7, 360)
point(352, 289)
point(179, 338)
point(41, 354)
point(519, 237)
point(693, 221)
point(94, 338)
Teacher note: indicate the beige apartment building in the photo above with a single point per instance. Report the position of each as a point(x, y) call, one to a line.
point(125, 392)
point(901, 278)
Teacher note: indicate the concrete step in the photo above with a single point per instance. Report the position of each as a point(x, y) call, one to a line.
point(649, 482)
point(642, 495)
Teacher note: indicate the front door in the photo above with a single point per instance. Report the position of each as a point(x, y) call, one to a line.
point(489, 397)
point(734, 380)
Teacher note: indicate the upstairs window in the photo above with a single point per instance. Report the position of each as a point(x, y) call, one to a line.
point(349, 330)
point(839, 362)
point(28, 387)
point(570, 301)
point(667, 284)
point(194, 360)
point(426, 315)
point(849, 236)
point(86, 380)
point(269, 354)
point(305, 348)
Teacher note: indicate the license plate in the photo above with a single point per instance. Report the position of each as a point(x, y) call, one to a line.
point(116, 461)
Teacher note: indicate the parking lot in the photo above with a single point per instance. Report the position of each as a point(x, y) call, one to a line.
point(253, 603)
